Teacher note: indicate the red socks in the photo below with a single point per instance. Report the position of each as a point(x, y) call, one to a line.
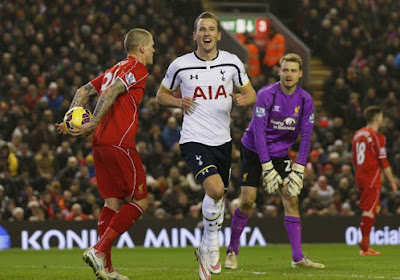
point(104, 220)
point(366, 225)
point(121, 222)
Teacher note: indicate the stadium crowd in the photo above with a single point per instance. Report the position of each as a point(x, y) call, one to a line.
point(50, 48)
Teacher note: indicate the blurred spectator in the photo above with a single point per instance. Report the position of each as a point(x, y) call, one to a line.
point(274, 50)
point(67, 174)
point(311, 205)
point(63, 153)
point(76, 214)
point(346, 210)
point(17, 215)
point(36, 212)
point(194, 212)
point(160, 214)
point(354, 201)
point(324, 191)
point(254, 67)
point(8, 161)
point(45, 161)
point(171, 133)
point(4, 200)
point(53, 97)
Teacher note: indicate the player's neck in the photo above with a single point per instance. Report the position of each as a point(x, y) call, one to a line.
point(373, 126)
point(139, 57)
point(206, 55)
point(288, 91)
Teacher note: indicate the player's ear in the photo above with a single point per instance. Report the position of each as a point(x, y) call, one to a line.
point(142, 48)
point(194, 35)
point(219, 36)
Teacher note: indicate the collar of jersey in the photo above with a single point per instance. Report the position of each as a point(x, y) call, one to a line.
point(203, 59)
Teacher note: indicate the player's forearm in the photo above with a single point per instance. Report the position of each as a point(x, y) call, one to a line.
point(389, 175)
point(251, 98)
point(82, 95)
point(249, 94)
point(166, 99)
point(105, 101)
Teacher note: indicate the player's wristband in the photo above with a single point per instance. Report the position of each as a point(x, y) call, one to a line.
point(267, 166)
point(298, 168)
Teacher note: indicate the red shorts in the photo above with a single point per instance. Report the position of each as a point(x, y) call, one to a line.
point(119, 172)
point(370, 199)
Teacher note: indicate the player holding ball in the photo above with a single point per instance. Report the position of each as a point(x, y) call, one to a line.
point(120, 174)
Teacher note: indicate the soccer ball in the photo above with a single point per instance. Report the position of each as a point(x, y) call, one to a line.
point(78, 116)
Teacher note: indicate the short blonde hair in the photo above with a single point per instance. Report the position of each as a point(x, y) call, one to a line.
point(136, 37)
point(292, 57)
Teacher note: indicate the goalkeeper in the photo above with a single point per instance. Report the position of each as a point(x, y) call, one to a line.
point(283, 110)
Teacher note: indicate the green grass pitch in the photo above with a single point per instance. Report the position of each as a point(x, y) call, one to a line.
point(271, 262)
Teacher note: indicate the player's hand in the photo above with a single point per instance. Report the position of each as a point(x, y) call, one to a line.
point(82, 130)
point(271, 178)
point(61, 128)
point(394, 186)
point(296, 180)
point(239, 99)
point(186, 102)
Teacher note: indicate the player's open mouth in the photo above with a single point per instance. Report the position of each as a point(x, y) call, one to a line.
point(207, 41)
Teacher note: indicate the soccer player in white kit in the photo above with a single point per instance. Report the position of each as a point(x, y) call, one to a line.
point(206, 78)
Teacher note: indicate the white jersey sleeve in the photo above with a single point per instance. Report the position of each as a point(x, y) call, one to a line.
point(171, 80)
point(240, 78)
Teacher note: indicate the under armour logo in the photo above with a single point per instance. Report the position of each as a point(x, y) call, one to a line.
point(223, 77)
point(204, 172)
point(199, 159)
point(194, 77)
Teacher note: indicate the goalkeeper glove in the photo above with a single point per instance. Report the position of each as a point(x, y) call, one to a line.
point(271, 178)
point(295, 180)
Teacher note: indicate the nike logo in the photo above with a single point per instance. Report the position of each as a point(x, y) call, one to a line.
point(99, 267)
point(207, 276)
point(217, 266)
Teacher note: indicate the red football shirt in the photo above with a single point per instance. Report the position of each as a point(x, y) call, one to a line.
point(120, 124)
point(369, 156)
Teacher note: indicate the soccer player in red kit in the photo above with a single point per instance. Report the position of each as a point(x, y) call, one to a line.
point(120, 173)
point(369, 158)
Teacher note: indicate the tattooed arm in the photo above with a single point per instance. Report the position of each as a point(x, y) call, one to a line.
point(82, 95)
point(104, 103)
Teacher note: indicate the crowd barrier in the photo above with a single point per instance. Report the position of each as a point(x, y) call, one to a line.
point(151, 232)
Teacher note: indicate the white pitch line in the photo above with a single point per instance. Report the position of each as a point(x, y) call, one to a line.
point(241, 271)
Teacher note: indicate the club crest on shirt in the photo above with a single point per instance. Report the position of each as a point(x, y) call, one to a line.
point(260, 112)
point(130, 78)
point(223, 77)
point(296, 111)
point(244, 179)
point(140, 188)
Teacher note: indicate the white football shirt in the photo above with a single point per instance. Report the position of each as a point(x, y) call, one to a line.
point(210, 84)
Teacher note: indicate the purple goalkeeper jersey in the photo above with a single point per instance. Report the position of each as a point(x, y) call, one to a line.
point(278, 118)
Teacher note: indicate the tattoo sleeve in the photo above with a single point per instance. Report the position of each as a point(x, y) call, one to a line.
point(107, 99)
point(82, 95)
